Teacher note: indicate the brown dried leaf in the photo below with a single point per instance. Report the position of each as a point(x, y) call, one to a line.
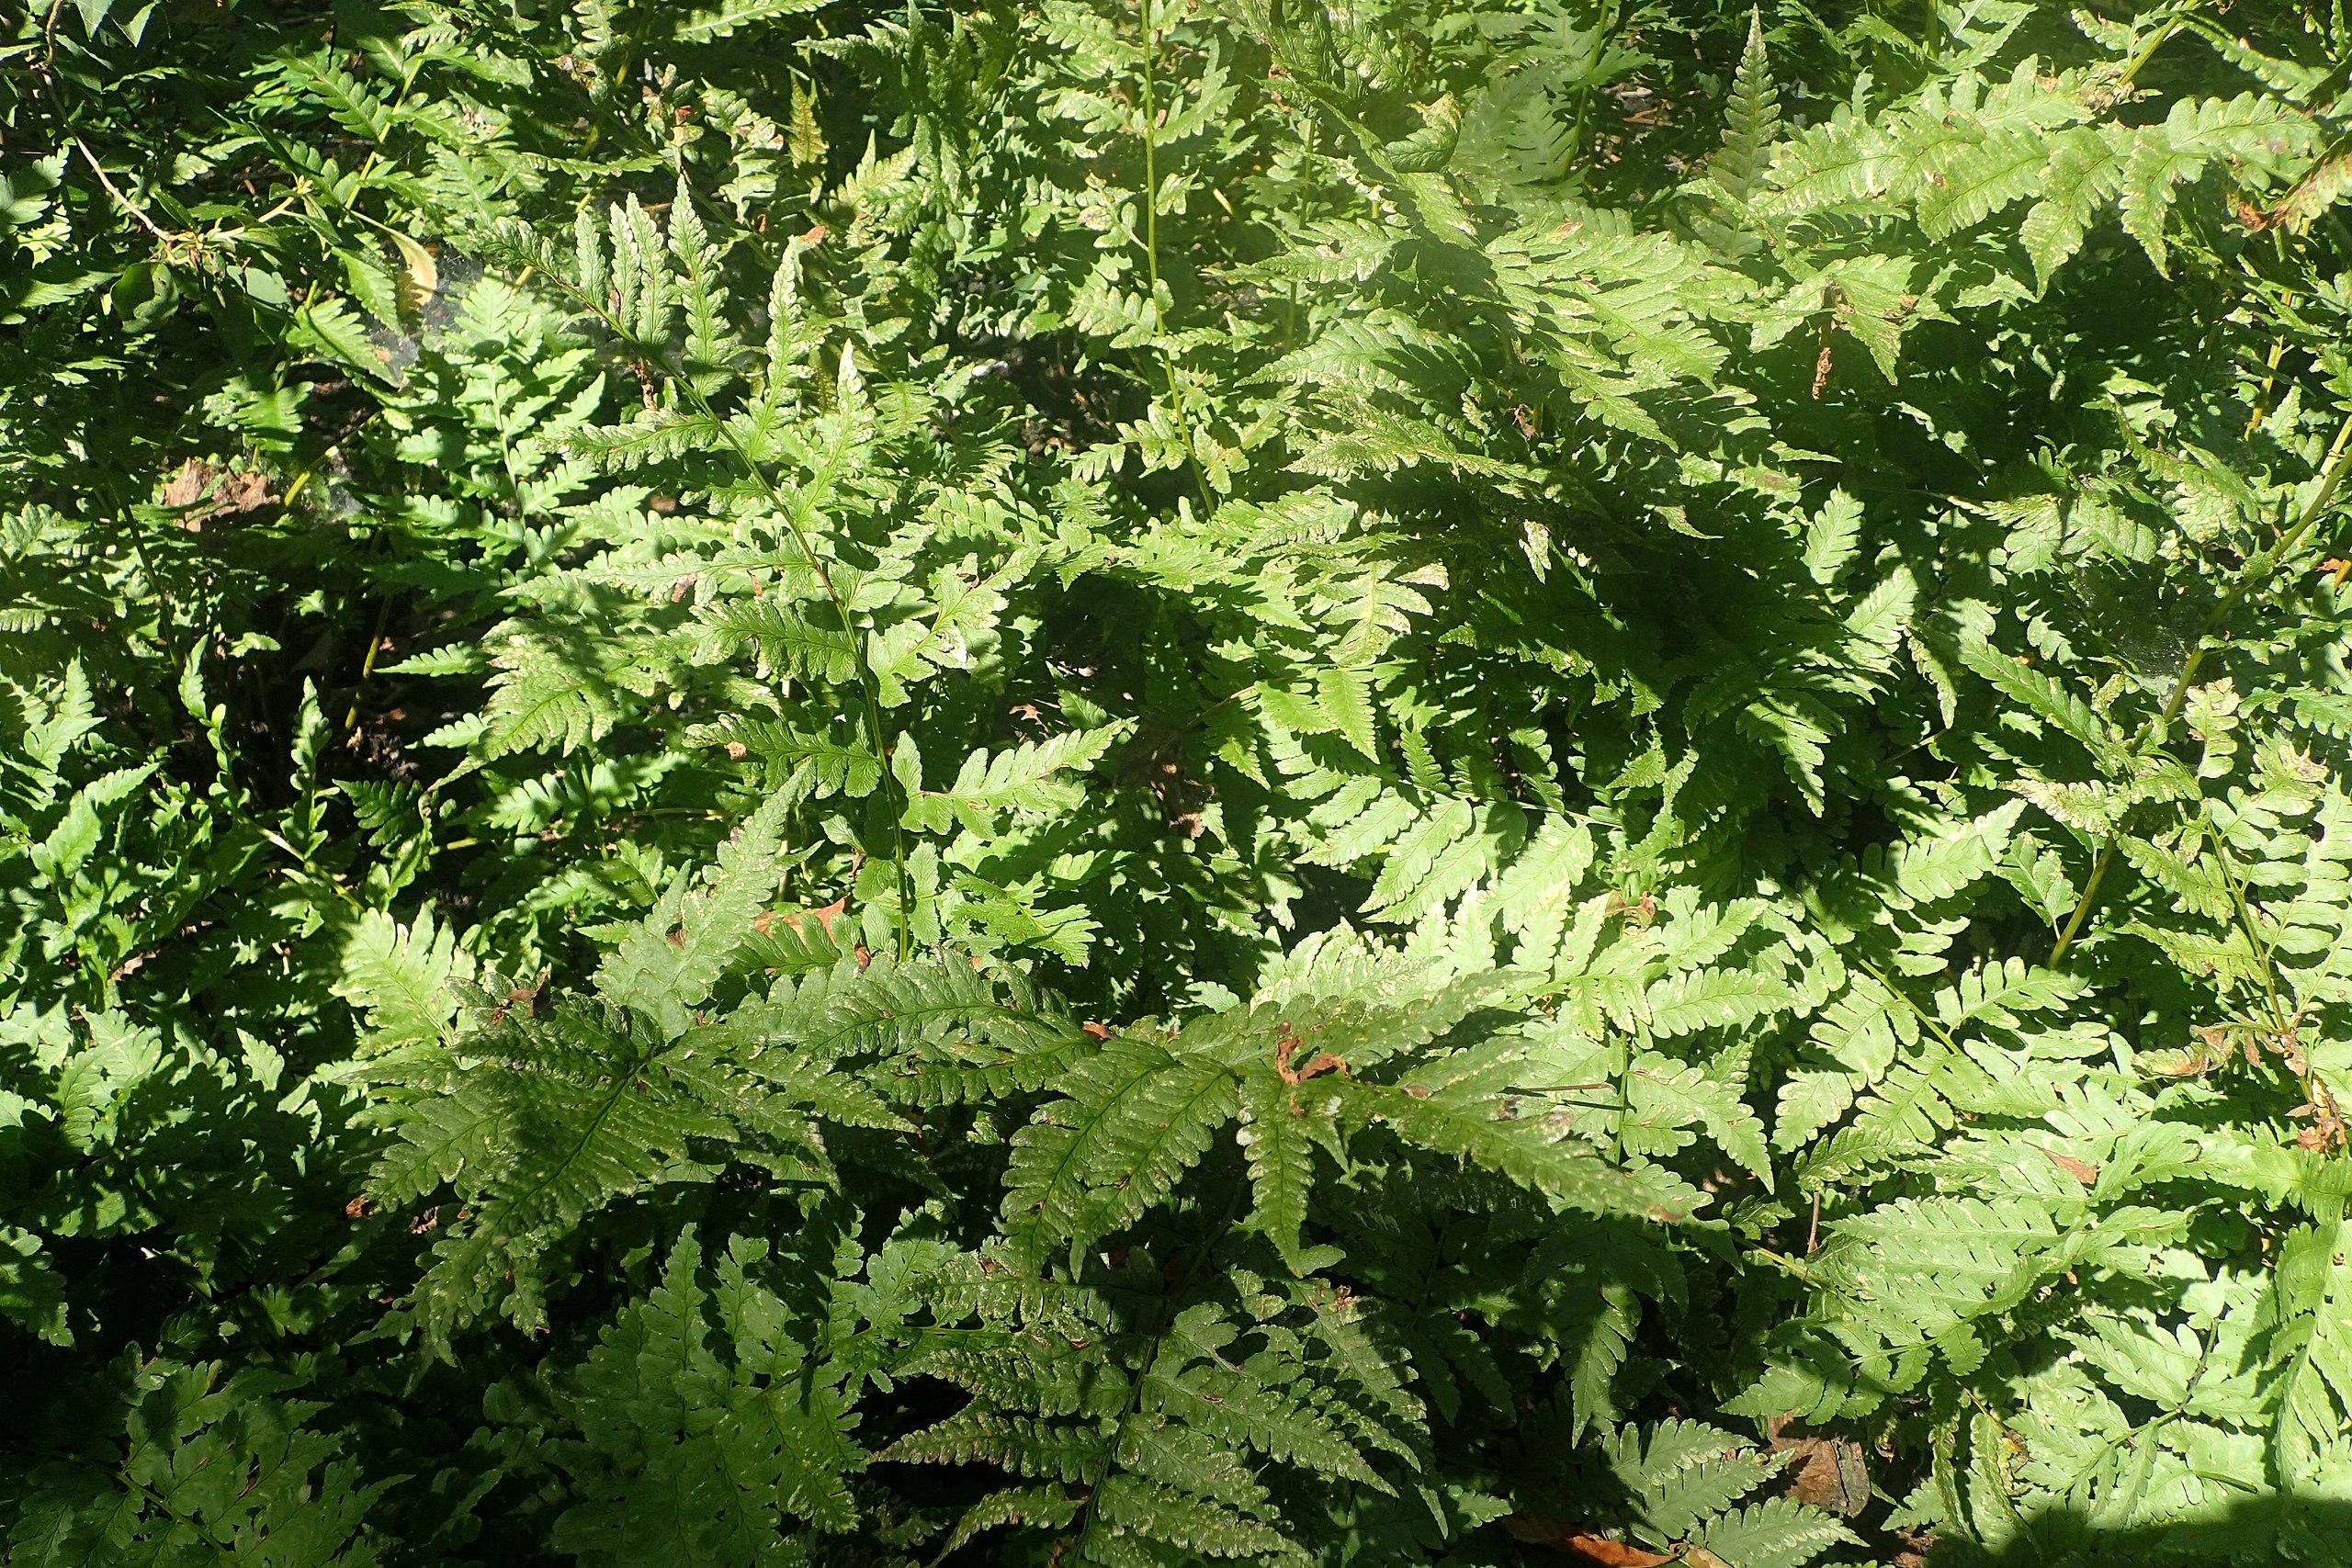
point(1321, 1062)
point(1578, 1541)
point(1829, 1473)
point(243, 491)
point(766, 921)
point(186, 487)
point(2326, 183)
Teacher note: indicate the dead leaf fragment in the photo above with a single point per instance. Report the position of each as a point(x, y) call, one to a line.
point(1578, 1542)
point(419, 278)
point(1829, 1473)
point(238, 490)
point(766, 921)
point(1287, 1043)
point(186, 487)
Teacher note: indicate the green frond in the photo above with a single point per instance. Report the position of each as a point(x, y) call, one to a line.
point(407, 977)
point(702, 1436)
point(669, 961)
point(1751, 118)
point(1481, 1133)
point(1151, 784)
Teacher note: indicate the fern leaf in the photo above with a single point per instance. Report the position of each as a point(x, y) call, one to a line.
point(2085, 171)
point(1135, 1118)
point(1033, 778)
point(700, 1440)
point(1712, 998)
point(1048, 1507)
point(1751, 119)
point(786, 640)
point(1525, 1153)
point(1192, 1382)
point(1779, 1532)
point(1131, 1505)
point(2007, 167)
point(1281, 1163)
point(405, 977)
point(669, 961)
point(1693, 1095)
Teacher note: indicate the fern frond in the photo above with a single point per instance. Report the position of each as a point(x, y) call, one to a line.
point(408, 978)
point(704, 1435)
point(1751, 119)
point(669, 959)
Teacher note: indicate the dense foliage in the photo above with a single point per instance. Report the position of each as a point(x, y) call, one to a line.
point(1067, 781)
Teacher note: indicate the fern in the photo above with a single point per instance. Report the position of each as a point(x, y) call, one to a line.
point(702, 1432)
point(1147, 785)
point(1751, 119)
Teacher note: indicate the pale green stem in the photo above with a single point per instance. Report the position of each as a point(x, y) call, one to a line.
point(2256, 570)
point(1151, 246)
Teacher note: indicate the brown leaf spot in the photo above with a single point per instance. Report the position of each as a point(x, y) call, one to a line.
point(2081, 1170)
point(1639, 914)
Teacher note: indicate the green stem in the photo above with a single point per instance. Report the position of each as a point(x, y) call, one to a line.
point(367, 666)
point(1612, 19)
point(2279, 1017)
point(1152, 165)
point(1782, 1261)
point(1306, 215)
point(1176, 404)
point(2147, 51)
point(2259, 570)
